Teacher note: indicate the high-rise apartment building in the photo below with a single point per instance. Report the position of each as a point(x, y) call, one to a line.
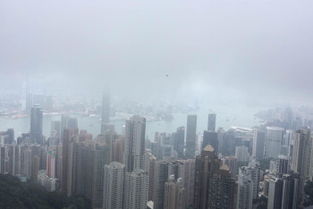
point(186, 171)
point(179, 142)
point(135, 143)
point(191, 136)
point(36, 125)
point(174, 194)
point(258, 144)
point(162, 171)
point(214, 186)
point(150, 161)
point(7, 137)
point(105, 112)
point(221, 189)
point(283, 192)
point(248, 185)
point(301, 157)
point(136, 189)
point(245, 187)
point(212, 122)
point(274, 137)
point(113, 190)
point(210, 138)
point(242, 153)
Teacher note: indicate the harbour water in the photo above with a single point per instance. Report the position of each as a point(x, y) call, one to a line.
point(226, 118)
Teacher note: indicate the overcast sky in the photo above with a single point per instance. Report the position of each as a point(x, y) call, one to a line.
point(256, 50)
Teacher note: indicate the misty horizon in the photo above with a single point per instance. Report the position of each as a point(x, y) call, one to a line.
point(245, 52)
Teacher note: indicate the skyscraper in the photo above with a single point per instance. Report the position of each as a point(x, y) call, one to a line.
point(135, 143)
point(179, 141)
point(191, 136)
point(105, 112)
point(248, 185)
point(206, 164)
point(186, 171)
point(302, 152)
point(301, 157)
point(136, 190)
point(178, 169)
point(174, 194)
point(7, 137)
point(162, 172)
point(66, 159)
point(83, 167)
point(68, 123)
point(36, 125)
point(258, 144)
point(211, 122)
point(221, 189)
point(242, 153)
point(210, 138)
point(150, 160)
point(214, 186)
point(274, 137)
point(113, 191)
point(283, 192)
point(244, 194)
point(274, 193)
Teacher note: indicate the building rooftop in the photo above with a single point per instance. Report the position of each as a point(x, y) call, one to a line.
point(208, 148)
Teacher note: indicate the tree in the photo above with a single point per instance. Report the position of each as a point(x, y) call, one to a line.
point(15, 194)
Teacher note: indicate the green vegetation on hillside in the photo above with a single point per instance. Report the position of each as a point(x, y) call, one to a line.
point(17, 195)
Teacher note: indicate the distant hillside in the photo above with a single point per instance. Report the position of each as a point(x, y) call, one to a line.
point(17, 195)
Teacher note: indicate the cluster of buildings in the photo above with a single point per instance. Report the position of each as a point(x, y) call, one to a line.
point(215, 169)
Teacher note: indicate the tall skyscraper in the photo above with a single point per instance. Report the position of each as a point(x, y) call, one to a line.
point(183, 169)
point(206, 164)
point(244, 194)
point(258, 144)
point(290, 196)
point(186, 171)
point(7, 137)
point(274, 193)
point(301, 157)
point(214, 186)
point(36, 125)
point(113, 191)
point(242, 153)
point(83, 166)
point(302, 152)
point(174, 194)
point(283, 192)
point(289, 137)
point(136, 190)
point(211, 122)
point(210, 138)
point(135, 143)
point(248, 185)
point(56, 129)
point(66, 140)
point(105, 112)
point(221, 189)
point(274, 137)
point(150, 160)
point(191, 136)
point(179, 142)
point(162, 172)
point(68, 123)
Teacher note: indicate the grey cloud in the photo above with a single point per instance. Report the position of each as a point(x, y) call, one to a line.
point(258, 50)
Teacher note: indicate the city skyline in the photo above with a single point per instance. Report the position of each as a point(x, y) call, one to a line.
point(167, 104)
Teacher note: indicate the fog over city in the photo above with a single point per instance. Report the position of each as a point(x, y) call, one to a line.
point(248, 52)
point(156, 104)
